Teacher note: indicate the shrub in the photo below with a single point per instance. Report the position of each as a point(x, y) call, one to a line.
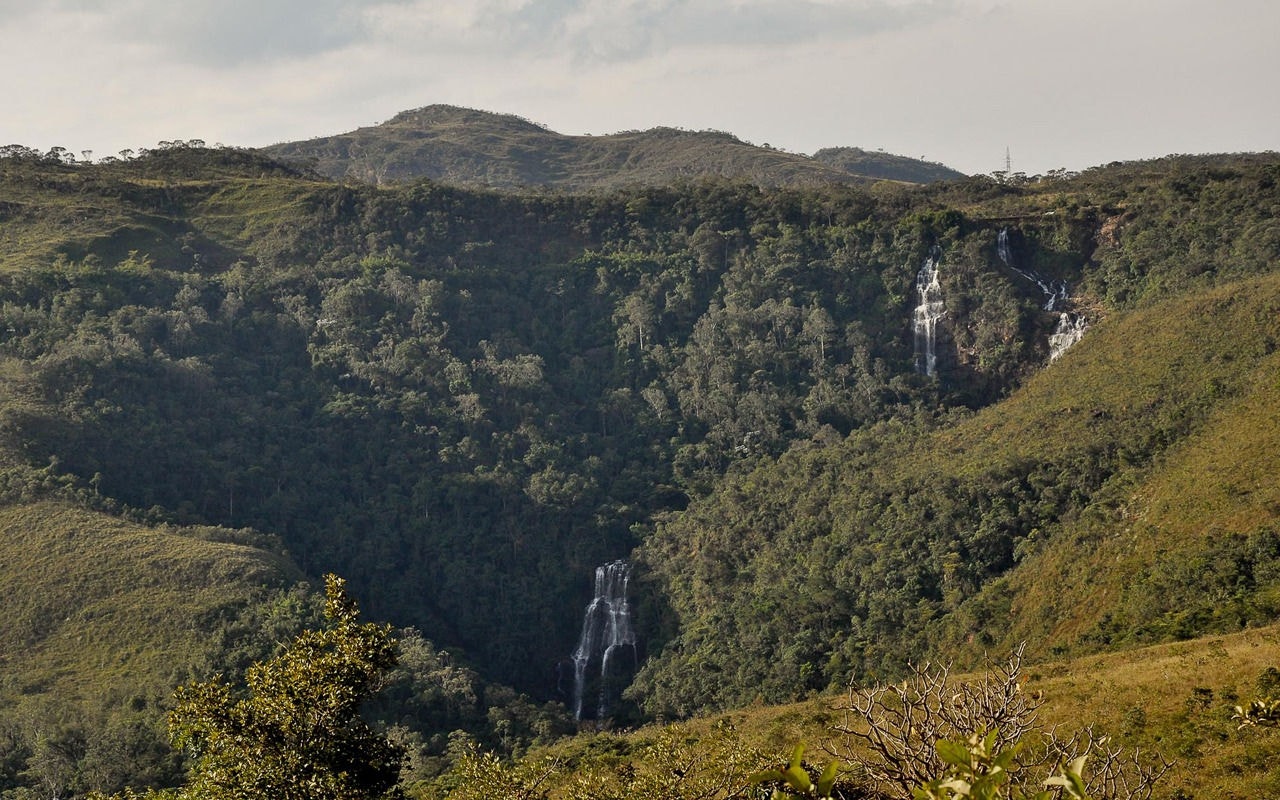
point(907, 736)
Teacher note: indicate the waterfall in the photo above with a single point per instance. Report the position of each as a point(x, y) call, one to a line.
point(606, 651)
point(1055, 292)
point(1071, 328)
point(1002, 247)
point(928, 313)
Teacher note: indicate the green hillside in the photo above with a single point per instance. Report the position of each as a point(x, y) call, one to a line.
point(103, 618)
point(465, 400)
point(136, 603)
point(1122, 495)
point(478, 148)
point(1174, 699)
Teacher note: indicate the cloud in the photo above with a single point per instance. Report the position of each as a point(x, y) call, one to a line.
point(221, 34)
point(216, 33)
point(610, 31)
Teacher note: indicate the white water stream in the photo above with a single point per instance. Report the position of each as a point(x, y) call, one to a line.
point(606, 651)
point(928, 314)
point(1071, 327)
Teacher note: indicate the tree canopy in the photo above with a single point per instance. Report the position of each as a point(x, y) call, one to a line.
point(298, 734)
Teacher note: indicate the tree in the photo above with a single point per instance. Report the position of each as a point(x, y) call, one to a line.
point(299, 734)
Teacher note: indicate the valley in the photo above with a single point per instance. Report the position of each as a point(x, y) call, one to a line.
point(831, 427)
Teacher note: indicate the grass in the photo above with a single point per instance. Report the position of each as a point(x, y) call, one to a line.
point(96, 606)
point(108, 211)
point(1175, 699)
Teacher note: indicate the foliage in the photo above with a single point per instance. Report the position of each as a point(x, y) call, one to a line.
point(469, 147)
point(975, 769)
point(1263, 711)
point(932, 737)
point(667, 763)
point(794, 779)
point(480, 775)
point(299, 733)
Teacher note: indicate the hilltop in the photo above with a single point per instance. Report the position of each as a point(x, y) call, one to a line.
point(885, 166)
point(478, 148)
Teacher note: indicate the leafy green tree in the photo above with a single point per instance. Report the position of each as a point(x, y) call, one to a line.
point(299, 734)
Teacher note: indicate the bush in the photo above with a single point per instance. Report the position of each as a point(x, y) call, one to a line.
point(910, 735)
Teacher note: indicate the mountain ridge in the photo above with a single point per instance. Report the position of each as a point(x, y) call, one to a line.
point(479, 148)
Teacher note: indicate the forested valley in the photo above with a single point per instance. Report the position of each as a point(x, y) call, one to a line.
point(223, 377)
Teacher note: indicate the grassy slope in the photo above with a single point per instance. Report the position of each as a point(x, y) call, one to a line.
point(43, 218)
point(1194, 380)
point(168, 206)
point(1173, 699)
point(100, 608)
point(1144, 697)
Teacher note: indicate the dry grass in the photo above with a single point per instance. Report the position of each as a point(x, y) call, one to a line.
point(1174, 699)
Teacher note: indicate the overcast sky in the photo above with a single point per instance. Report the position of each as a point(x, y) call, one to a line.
point(1060, 83)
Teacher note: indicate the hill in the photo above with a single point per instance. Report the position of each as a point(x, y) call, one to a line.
point(466, 400)
point(103, 618)
point(885, 166)
point(1065, 515)
point(1174, 699)
point(477, 148)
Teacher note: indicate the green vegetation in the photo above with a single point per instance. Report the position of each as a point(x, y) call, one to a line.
point(299, 733)
point(885, 166)
point(222, 373)
point(1133, 711)
point(477, 148)
point(103, 617)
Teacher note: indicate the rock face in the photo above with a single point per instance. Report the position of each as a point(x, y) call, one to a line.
point(1071, 326)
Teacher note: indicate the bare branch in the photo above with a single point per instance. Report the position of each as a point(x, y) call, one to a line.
point(891, 731)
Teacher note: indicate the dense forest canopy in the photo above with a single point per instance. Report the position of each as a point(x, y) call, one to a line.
point(464, 401)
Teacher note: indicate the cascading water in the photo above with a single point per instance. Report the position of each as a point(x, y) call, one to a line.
point(1003, 249)
point(1071, 327)
point(606, 651)
point(1055, 292)
point(928, 313)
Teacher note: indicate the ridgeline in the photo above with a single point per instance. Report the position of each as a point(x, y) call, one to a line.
point(467, 147)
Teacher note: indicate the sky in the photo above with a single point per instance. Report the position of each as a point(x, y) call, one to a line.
point(1054, 83)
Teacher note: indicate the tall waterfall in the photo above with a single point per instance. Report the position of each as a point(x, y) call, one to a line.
point(928, 313)
point(1003, 249)
point(1071, 327)
point(606, 654)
